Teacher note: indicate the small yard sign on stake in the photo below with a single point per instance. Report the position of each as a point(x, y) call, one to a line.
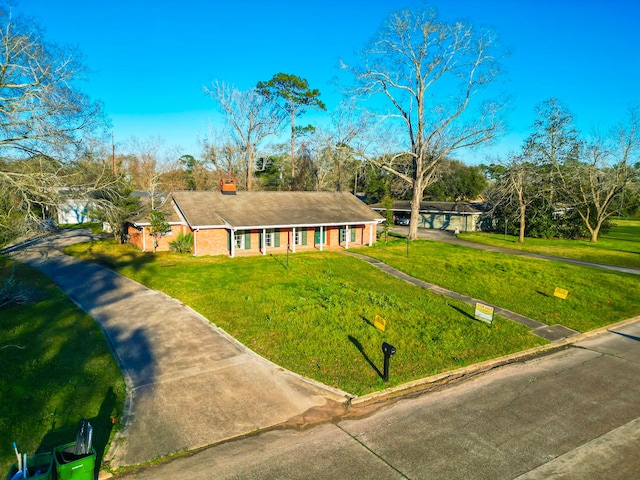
point(380, 323)
point(484, 313)
point(561, 293)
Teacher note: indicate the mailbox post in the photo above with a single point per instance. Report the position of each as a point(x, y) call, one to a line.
point(388, 350)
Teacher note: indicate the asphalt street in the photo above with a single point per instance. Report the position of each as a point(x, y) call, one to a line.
point(572, 414)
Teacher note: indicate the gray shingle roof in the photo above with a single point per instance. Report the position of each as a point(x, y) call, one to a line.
point(142, 216)
point(272, 209)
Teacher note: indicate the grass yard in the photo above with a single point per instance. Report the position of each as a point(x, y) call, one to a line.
point(621, 246)
point(55, 368)
point(523, 285)
point(316, 317)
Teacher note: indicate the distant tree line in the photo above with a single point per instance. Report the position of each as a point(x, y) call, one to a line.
point(420, 97)
point(565, 184)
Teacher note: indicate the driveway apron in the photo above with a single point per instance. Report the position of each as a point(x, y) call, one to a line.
point(189, 383)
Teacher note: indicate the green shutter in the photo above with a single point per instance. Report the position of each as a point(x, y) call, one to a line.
point(353, 234)
point(229, 239)
point(247, 240)
point(316, 237)
point(304, 236)
point(260, 239)
point(276, 240)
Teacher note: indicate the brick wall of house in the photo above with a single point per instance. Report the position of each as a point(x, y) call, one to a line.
point(135, 236)
point(212, 242)
point(146, 243)
point(216, 241)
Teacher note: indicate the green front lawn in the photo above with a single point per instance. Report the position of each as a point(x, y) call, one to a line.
point(621, 246)
point(524, 285)
point(55, 368)
point(316, 317)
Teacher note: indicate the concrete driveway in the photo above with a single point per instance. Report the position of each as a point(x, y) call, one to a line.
point(189, 383)
point(573, 414)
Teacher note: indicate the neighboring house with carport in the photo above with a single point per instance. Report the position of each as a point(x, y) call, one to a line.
point(252, 223)
point(453, 216)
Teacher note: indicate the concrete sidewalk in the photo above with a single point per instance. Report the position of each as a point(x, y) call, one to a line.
point(189, 384)
point(548, 332)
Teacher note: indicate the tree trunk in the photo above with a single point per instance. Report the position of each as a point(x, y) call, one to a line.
point(415, 212)
point(249, 169)
point(523, 209)
point(595, 231)
point(293, 150)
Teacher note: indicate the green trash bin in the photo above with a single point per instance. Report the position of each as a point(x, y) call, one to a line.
point(74, 467)
point(39, 467)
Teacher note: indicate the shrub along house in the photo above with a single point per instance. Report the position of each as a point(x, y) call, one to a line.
point(233, 223)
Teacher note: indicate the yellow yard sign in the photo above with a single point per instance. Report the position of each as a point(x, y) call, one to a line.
point(561, 293)
point(380, 323)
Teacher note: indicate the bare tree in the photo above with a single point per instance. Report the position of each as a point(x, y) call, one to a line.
point(40, 111)
point(225, 156)
point(518, 183)
point(45, 123)
point(146, 165)
point(251, 117)
point(593, 185)
point(554, 143)
point(429, 71)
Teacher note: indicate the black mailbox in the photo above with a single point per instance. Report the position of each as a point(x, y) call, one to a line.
point(388, 349)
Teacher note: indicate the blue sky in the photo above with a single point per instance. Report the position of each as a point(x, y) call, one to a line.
point(150, 59)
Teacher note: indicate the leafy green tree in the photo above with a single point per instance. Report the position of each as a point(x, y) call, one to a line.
point(387, 204)
point(158, 226)
point(269, 172)
point(553, 144)
point(189, 163)
point(457, 182)
point(114, 206)
point(293, 95)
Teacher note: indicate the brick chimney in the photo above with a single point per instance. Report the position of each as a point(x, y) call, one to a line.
point(228, 187)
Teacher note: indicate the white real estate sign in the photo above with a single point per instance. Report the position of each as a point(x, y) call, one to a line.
point(484, 313)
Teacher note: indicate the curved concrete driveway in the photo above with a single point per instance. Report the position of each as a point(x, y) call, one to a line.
point(189, 383)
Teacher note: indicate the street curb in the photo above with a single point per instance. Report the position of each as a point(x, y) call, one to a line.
point(443, 378)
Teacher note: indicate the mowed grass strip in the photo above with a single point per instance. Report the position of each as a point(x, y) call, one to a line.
point(524, 285)
point(317, 316)
point(621, 246)
point(55, 368)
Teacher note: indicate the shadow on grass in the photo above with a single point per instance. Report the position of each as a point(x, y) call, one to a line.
point(543, 294)
point(466, 314)
point(102, 426)
point(365, 320)
point(280, 261)
point(358, 345)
